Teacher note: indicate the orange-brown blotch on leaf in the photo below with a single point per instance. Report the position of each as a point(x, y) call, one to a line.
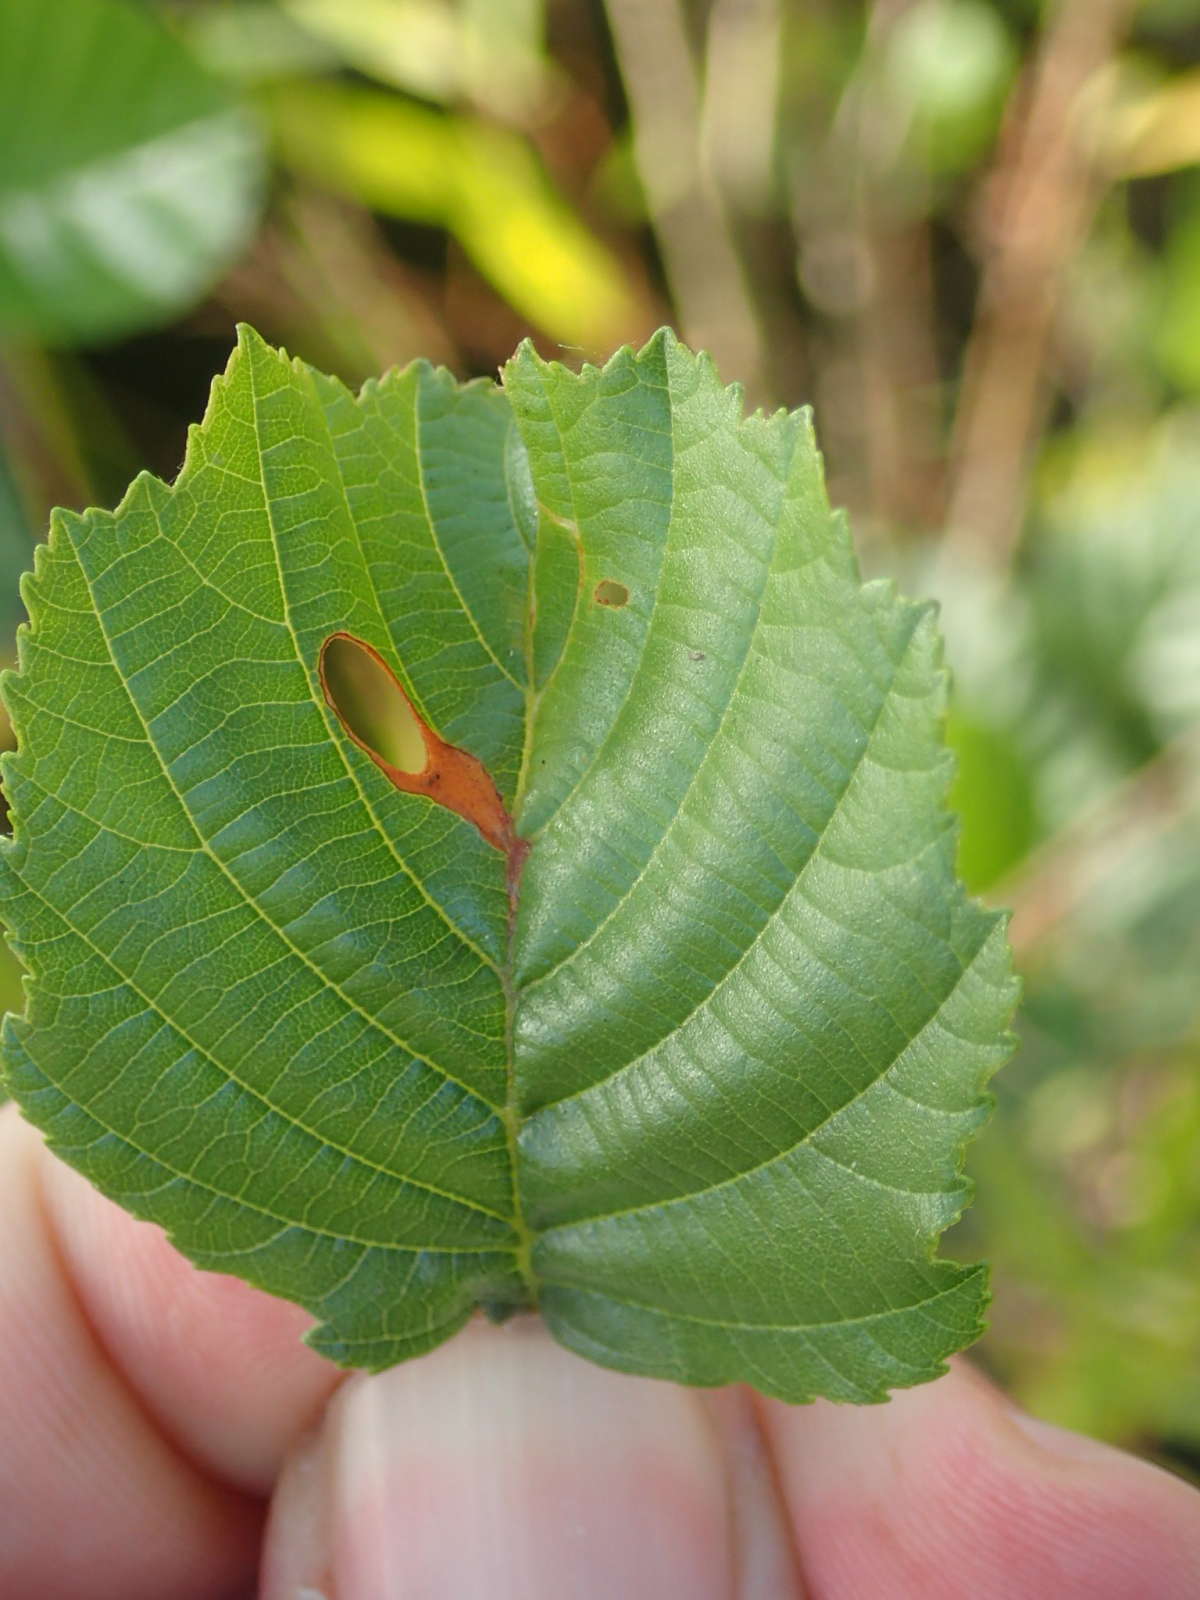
point(372, 706)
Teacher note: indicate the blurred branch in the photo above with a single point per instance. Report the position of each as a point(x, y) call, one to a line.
point(1059, 874)
point(741, 97)
point(744, 151)
point(900, 374)
point(699, 255)
point(896, 330)
point(862, 223)
point(1039, 202)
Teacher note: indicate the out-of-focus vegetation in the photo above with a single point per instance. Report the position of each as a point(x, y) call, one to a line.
point(968, 231)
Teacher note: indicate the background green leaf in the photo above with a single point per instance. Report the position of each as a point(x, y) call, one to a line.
point(129, 177)
point(705, 1101)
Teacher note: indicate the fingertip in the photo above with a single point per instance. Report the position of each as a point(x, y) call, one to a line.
point(218, 1364)
point(501, 1464)
point(948, 1490)
point(95, 1501)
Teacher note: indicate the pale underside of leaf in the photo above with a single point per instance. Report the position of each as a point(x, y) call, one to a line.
point(705, 1097)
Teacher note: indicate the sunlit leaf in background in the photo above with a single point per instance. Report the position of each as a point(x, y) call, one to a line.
point(1156, 127)
point(481, 182)
point(1177, 335)
point(128, 176)
point(412, 45)
point(255, 41)
point(488, 52)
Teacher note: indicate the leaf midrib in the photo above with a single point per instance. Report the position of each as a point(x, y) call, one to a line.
point(748, 655)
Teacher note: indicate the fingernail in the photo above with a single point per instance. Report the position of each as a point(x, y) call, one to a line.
point(297, 1549)
point(503, 1467)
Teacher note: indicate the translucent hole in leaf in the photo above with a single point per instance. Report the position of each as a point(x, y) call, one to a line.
point(373, 708)
point(609, 592)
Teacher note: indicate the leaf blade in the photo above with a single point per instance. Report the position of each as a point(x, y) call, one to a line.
point(703, 1085)
point(696, 1007)
point(299, 956)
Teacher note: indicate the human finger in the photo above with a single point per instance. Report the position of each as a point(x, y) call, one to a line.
point(948, 1490)
point(94, 1502)
point(502, 1466)
point(219, 1366)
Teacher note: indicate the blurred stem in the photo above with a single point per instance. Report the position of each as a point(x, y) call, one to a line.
point(699, 255)
point(741, 98)
point(866, 262)
point(739, 129)
point(900, 375)
point(1040, 199)
point(896, 337)
point(40, 437)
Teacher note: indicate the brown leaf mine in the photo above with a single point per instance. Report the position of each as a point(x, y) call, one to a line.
point(370, 703)
point(609, 592)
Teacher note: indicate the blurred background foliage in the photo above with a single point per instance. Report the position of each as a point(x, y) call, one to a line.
point(967, 231)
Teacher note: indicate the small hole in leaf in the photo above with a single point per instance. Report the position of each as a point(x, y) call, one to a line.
point(609, 592)
point(373, 708)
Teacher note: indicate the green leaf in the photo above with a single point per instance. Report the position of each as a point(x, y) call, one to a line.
point(993, 796)
point(128, 178)
point(703, 1097)
point(488, 52)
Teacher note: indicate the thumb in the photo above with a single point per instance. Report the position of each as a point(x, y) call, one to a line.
point(502, 1466)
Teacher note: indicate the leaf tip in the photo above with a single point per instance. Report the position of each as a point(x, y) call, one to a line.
point(248, 338)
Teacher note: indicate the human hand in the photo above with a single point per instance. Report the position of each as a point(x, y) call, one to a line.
point(150, 1414)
